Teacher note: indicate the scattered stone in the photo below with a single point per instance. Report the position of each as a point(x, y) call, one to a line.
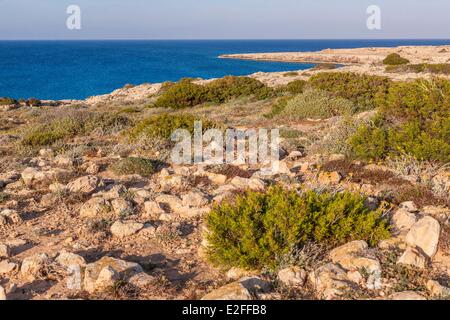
point(252, 183)
point(233, 291)
point(329, 281)
point(92, 168)
point(152, 209)
point(123, 269)
point(406, 295)
point(63, 161)
point(117, 191)
point(330, 177)
point(122, 207)
point(9, 216)
point(255, 284)
point(7, 267)
point(94, 207)
point(35, 178)
point(437, 290)
point(2, 294)
point(354, 256)
point(292, 277)
point(125, 229)
point(85, 185)
point(32, 266)
point(216, 178)
point(403, 219)
point(67, 259)
point(195, 199)
point(5, 251)
point(46, 153)
point(57, 187)
point(141, 280)
point(414, 258)
point(425, 235)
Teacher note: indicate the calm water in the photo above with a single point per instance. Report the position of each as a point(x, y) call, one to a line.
point(78, 69)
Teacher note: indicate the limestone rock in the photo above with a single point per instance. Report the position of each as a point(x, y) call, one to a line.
point(67, 259)
point(85, 185)
point(403, 219)
point(292, 276)
point(152, 209)
point(424, 234)
point(252, 183)
point(2, 294)
point(94, 207)
point(354, 256)
point(437, 290)
point(216, 178)
point(7, 267)
point(232, 292)
point(406, 295)
point(35, 178)
point(329, 281)
point(9, 216)
point(33, 266)
point(414, 258)
point(125, 229)
point(121, 207)
point(5, 251)
point(409, 206)
point(106, 269)
point(195, 199)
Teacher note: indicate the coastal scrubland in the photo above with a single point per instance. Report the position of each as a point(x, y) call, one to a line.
point(358, 210)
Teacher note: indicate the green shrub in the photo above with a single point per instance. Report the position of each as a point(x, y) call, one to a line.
point(278, 107)
point(315, 104)
point(325, 66)
point(256, 230)
point(7, 101)
point(437, 68)
point(414, 120)
point(162, 126)
point(295, 87)
point(184, 94)
point(366, 91)
point(79, 123)
point(3, 197)
point(33, 102)
point(129, 166)
point(227, 88)
point(394, 59)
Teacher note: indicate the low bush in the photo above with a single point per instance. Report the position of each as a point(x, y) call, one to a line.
point(78, 123)
point(7, 101)
point(162, 126)
point(256, 230)
point(366, 91)
point(295, 87)
point(325, 66)
point(414, 120)
point(394, 59)
point(438, 68)
point(129, 166)
point(277, 107)
point(185, 94)
point(290, 74)
point(315, 104)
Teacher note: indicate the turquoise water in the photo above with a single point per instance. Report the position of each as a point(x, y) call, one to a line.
point(79, 69)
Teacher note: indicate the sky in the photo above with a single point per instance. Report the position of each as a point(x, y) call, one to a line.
point(224, 19)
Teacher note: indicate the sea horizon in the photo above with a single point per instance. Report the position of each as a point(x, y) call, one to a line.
point(80, 68)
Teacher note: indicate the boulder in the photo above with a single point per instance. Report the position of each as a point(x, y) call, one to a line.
point(107, 271)
point(409, 206)
point(85, 185)
point(7, 267)
point(403, 220)
point(424, 234)
point(33, 266)
point(2, 294)
point(292, 277)
point(330, 177)
point(125, 229)
point(5, 251)
point(437, 290)
point(216, 178)
point(330, 281)
point(195, 199)
point(94, 207)
point(413, 257)
point(35, 178)
point(406, 295)
point(67, 259)
point(230, 292)
point(252, 183)
point(122, 207)
point(9, 216)
point(152, 209)
point(354, 256)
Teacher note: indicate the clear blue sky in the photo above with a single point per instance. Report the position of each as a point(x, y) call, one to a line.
point(223, 19)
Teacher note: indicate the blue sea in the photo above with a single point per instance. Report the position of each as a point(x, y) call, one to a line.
point(79, 69)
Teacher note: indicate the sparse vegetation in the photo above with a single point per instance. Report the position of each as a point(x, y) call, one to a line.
point(366, 91)
point(7, 101)
point(140, 166)
point(437, 68)
point(394, 59)
point(255, 229)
